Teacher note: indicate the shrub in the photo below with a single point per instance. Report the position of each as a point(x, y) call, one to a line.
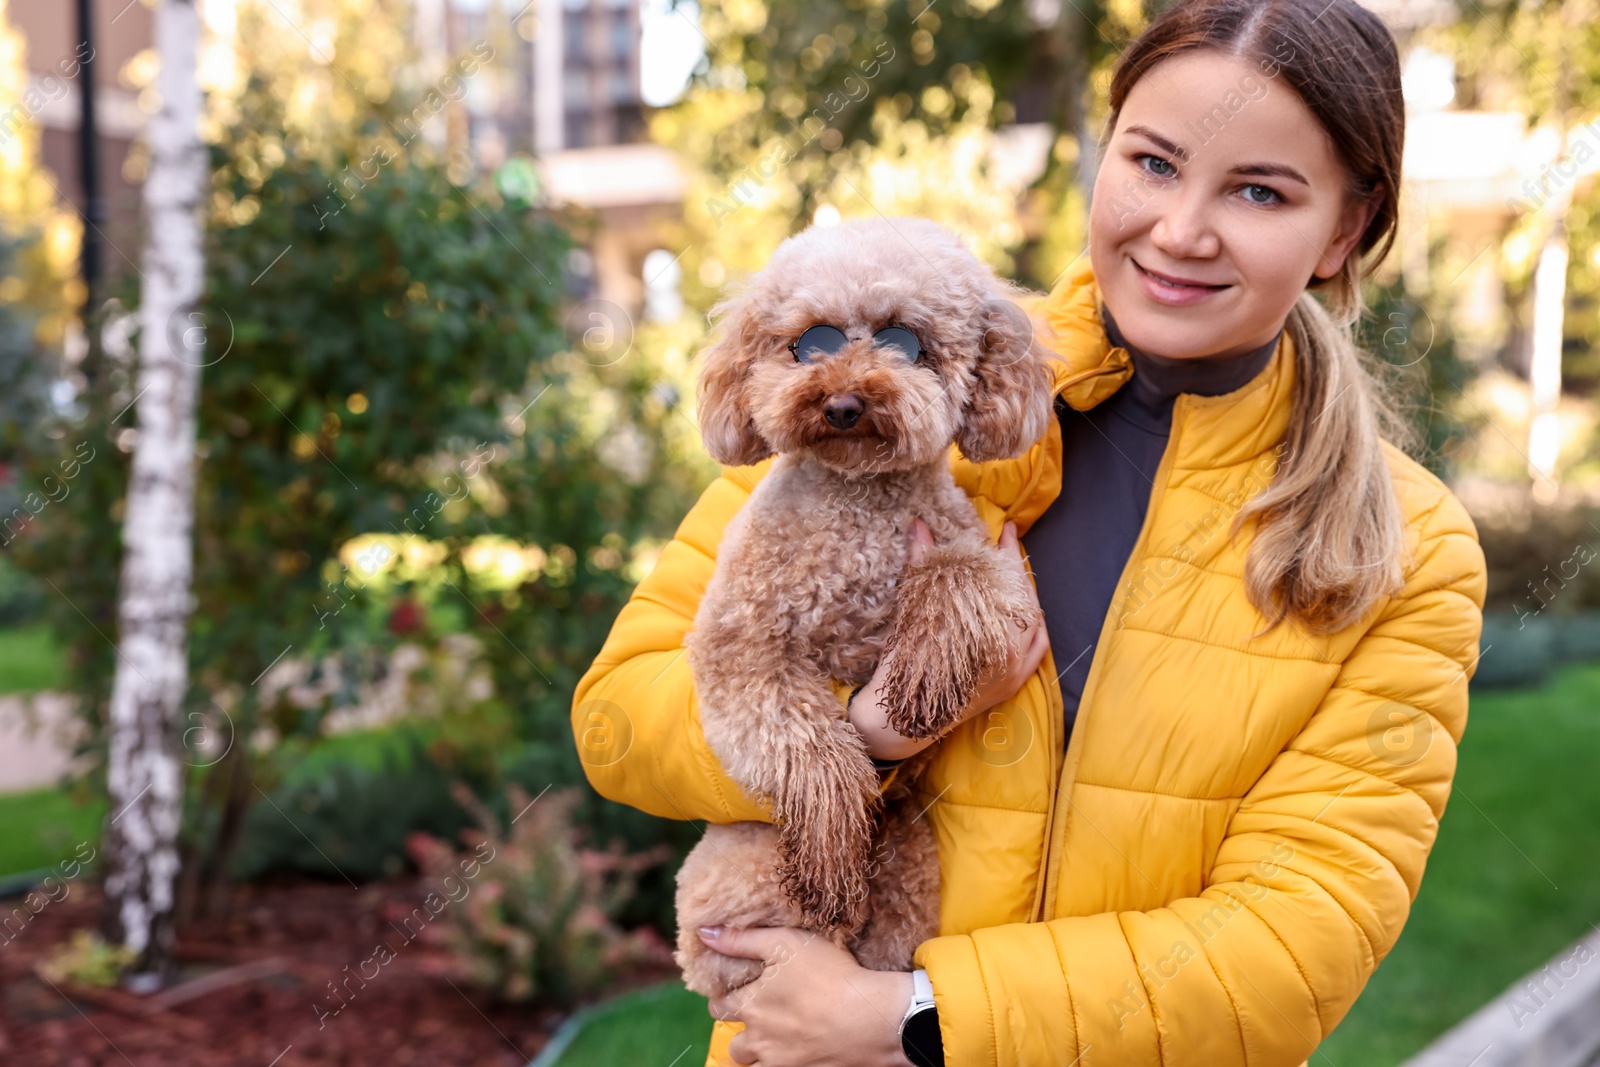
point(541, 923)
point(86, 959)
point(21, 595)
point(1542, 560)
point(346, 811)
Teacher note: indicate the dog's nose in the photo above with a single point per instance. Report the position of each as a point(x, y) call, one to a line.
point(843, 410)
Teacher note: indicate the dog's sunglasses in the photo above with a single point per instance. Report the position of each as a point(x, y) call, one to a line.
point(824, 340)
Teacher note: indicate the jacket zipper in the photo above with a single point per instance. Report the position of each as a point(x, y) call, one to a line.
point(1055, 821)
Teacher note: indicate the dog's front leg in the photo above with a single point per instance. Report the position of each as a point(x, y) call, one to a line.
point(777, 727)
point(956, 615)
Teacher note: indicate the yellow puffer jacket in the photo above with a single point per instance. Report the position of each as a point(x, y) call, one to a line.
point(1230, 844)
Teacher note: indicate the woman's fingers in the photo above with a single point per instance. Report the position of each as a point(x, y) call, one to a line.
point(1011, 548)
point(1038, 645)
point(1028, 631)
point(726, 1007)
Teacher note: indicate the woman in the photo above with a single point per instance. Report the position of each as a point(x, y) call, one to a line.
point(1187, 825)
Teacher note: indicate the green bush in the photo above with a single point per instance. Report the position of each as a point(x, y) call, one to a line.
point(24, 402)
point(1522, 650)
point(21, 594)
point(346, 811)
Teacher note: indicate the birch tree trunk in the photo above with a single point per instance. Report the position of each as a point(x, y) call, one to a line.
point(145, 776)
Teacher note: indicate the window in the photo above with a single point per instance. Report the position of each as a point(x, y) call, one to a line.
point(577, 42)
point(621, 38)
point(621, 86)
point(575, 87)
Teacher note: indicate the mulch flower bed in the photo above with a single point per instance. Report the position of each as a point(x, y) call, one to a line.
point(292, 976)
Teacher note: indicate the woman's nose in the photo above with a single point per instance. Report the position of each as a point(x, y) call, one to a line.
point(1183, 228)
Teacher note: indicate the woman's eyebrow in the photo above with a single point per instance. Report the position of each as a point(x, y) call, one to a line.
point(1263, 170)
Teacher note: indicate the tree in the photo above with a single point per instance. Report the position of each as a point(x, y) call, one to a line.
point(1543, 61)
point(868, 107)
point(144, 776)
point(41, 268)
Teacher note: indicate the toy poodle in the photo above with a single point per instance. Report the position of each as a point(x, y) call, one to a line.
point(857, 355)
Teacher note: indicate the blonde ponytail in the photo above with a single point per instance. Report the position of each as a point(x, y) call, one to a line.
point(1329, 537)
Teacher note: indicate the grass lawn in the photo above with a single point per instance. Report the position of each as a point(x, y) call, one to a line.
point(649, 1026)
point(1514, 877)
point(30, 660)
point(43, 827)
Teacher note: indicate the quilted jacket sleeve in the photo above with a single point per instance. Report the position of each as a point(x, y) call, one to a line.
point(635, 718)
point(1309, 891)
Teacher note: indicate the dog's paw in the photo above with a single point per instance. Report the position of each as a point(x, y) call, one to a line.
point(957, 615)
point(924, 693)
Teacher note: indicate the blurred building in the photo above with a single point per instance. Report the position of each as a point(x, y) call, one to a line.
point(564, 87)
point(568, 71)
point(1404, 16)
point(586, 84)
point(122, 36)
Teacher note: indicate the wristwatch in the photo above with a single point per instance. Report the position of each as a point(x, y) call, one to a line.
point(919, 1029)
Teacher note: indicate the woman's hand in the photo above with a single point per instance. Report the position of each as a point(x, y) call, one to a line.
point(813, 1006)
point(1028, 646)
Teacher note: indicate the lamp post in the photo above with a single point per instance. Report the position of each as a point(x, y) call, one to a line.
point(94, 208)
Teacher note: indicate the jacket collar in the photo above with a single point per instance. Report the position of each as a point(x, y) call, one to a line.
point(1086, 369)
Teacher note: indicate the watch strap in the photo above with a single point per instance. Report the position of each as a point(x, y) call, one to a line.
point(921, 991)
point(920, 1039)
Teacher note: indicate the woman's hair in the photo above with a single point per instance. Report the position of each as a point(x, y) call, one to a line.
point(1329, 535)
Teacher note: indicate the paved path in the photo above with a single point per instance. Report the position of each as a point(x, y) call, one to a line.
point(36, 733)
point(1548, 1018)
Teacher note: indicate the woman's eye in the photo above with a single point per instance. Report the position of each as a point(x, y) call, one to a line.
point(1272, 193)
point(1158, 160)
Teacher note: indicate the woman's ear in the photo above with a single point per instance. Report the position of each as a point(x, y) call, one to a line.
point(726, 427)
point(1010, 405)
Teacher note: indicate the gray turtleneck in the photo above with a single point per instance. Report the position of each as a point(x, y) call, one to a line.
point(1109, 454)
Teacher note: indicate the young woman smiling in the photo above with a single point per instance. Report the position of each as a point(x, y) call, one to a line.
point(1188, 822)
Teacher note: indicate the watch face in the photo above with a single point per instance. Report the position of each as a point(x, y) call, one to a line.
point(920, 1039)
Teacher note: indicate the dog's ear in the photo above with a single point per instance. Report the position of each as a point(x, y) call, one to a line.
point(726, 427)
point(1010, 406)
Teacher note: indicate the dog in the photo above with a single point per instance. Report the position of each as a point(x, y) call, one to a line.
point(857, 356)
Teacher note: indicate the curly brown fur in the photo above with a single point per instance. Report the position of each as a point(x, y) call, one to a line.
point(809, 582)
point(903, 898)
point(729, 877)
point(957, 614)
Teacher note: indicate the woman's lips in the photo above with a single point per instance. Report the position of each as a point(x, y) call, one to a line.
point(1173, 295)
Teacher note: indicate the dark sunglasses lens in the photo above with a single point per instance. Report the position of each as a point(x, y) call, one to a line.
point(897, 337)
point(819, 341)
